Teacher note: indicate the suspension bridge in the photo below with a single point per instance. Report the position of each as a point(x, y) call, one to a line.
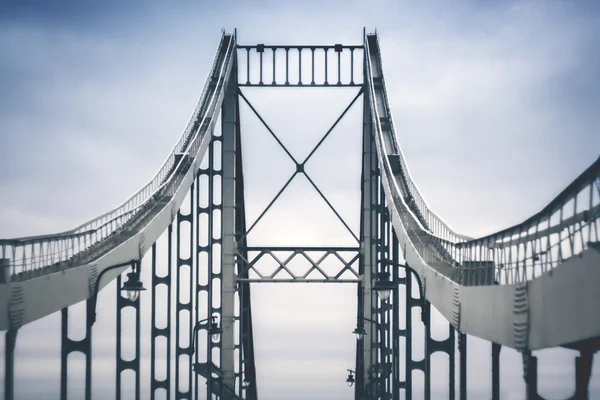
point(527, 287)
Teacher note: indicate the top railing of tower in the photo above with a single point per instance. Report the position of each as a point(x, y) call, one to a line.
point(334, 65)
point(35, 252)
point(562, 229)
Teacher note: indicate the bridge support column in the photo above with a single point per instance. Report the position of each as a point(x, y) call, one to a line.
point(10, 338)
point(156, 332)
point(395, 319)
point(583, 371)
point(134, 364)
point(462, 349)
point(496, 371)
point(69, 346)
point(530, 370)
point(445, 346)
point(183, 310)
point(428, 350)
point(208, 267)
point(228, 250)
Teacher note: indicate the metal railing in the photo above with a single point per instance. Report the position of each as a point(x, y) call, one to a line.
point(562, 229)
point(32, 254)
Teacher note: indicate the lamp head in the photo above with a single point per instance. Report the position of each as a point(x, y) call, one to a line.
point(360, 332)
point(384, 286)
point(133, 286)
point(214, 328)
point(350, 380)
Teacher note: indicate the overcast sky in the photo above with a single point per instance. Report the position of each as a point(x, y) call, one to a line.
point(495, 107)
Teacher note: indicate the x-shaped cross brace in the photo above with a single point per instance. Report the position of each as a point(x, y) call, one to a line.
point(300, 166)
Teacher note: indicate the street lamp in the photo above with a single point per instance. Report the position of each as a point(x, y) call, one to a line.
point(350, 380)
point(384, 285)
point(213, 328)
point(360, 332)
point(133, 286)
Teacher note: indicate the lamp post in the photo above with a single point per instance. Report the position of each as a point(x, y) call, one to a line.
point(133, 286)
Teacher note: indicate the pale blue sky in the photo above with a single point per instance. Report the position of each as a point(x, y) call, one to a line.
point(495, 107)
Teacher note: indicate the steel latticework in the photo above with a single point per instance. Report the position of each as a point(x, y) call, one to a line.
point(188, 227)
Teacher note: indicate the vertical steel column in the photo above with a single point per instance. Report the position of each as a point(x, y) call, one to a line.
point(134, 364)
point(384, 310)
point(155, 383)
point(69, 346)
point(496, 371)
point(10, 338)
point(212, 267)
point(451, 350)
point(228, 249)
point(199, 267)
point(428, 350)
point(462, 349)
point(247, 372)
point(583, 370)
point(184, 353)
point(410, 302)
point(368, 242)
point(530, 369)
point(396, 333)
